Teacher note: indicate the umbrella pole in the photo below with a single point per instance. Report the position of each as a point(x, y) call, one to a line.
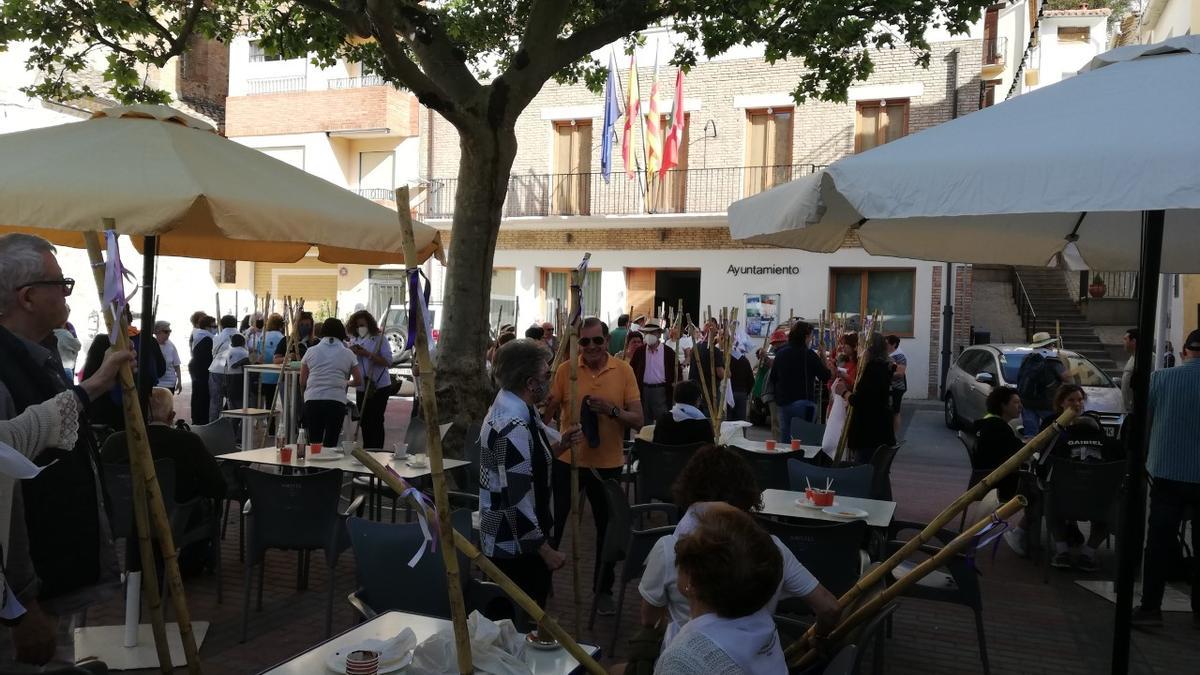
point(458, 609)
point(149, 508)
point(146, 378)
point(1137, 439)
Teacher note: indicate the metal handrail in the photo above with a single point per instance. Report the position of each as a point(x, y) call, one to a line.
point(1024, 306)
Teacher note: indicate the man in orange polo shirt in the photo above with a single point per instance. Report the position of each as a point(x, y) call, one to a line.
point(608, 392)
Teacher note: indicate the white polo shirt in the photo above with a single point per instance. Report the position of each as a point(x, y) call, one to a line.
point(329, 364)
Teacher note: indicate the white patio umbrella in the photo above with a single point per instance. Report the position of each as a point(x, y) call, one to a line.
point(1017, 182)
point(1097, 168)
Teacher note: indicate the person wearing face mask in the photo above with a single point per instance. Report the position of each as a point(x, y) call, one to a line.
point(304, 340)
point(516, 454)
point(374, 354)
point(202, 355)
point(654, 367)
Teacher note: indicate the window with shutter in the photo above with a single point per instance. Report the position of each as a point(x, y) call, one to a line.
point(571, 182)
point(768, 148)
point(857, 292)
point(879, 122)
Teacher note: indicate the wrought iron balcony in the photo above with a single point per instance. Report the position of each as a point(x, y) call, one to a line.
point(679, 191)
point(994, 49)
point(378, 194)
point(356, 82)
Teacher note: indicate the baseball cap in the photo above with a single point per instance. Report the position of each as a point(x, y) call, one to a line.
point(778, 336)
point(1193, 341)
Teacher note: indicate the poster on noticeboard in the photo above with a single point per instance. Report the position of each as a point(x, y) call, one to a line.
point(762, 313)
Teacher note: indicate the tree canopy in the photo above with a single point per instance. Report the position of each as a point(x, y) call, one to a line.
point(454, 54)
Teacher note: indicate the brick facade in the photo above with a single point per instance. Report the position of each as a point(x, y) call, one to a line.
point(382, 107)
point(821, 133)
point(203, 72)
point(696, 238)
point(964, 300)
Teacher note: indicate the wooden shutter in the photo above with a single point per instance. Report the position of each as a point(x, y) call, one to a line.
point(768, 149)
point(639, 285)
point(572, 166)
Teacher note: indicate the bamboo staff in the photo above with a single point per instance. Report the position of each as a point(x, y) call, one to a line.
point(218, 297)
point(571, 417)
point(868, 331)
point(704, 388)
point(974, 494)
point(458, 609)
point(148, 507)
point(464, 545)
point(292, 317)
point(729, 317)
point(806, 658)
point(678, 328)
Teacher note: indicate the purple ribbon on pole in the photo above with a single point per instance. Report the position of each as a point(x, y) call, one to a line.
point(418, 303)
point(430, 535)
point(115, 275)
point(989, 535)
point(577, 291)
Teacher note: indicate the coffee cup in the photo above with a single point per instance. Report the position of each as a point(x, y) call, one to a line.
point(399, 450)
point(348, 446)
point(362, 662)
point(418, 460)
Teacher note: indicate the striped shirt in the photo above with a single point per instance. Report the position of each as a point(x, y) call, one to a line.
point(1175, 423)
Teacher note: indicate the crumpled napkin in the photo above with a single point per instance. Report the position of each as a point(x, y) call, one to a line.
point(393, 649)
point(497, 648)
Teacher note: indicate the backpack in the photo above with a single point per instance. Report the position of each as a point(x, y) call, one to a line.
point(1032, 383)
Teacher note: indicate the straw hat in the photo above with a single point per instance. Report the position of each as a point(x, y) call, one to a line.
point(1041, 339)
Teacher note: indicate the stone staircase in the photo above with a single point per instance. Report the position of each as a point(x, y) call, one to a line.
point(1053, 302)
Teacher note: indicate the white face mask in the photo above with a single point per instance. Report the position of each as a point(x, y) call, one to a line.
point(651, 340)
point(362, 331)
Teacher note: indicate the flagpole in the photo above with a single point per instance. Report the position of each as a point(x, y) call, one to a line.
point(642, 127)
point(620, 102)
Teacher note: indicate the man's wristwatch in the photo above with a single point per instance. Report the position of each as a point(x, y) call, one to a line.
point(614, 412)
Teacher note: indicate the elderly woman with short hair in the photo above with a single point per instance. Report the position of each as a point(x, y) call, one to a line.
point(516, 451)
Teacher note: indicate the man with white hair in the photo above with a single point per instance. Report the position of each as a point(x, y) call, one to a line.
point(61, 557)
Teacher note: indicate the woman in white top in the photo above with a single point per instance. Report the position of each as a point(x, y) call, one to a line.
point(374, 354)
point(728, 568)
point(324, 372)
point(717, 476)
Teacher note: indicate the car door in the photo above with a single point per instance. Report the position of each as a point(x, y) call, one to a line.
point(963, 377)
point(975, 404)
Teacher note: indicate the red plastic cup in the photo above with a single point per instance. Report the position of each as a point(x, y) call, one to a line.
point(314, 448)
point(795, 444)
point(285, 454)
point(770, 446)
point(823, 497)
point(362, 662)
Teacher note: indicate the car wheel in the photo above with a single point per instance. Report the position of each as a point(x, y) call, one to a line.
point(952, 414)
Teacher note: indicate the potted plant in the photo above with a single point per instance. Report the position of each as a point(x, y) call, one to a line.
point(1097, 288)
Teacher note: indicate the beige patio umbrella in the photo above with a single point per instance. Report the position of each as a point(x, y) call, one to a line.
point(158, 172)
point(178, 188)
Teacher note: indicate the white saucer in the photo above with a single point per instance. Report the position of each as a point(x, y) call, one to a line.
point(325, 456)
point(847, 512)
point(803, 501)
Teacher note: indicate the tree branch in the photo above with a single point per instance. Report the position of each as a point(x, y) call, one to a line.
point(434, 48)
point(356, 23)
point(546, 18)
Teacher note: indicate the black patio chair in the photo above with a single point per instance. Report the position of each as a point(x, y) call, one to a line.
point(294, 513)
point(809, 433)
point(881, 478)
point(627, 542)
point(770, 470)
point(1075, 490)
point(658, 465)
point(853, 481)
point(831, 551)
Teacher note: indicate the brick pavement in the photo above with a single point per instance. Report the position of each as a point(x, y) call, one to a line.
point(1031, 627)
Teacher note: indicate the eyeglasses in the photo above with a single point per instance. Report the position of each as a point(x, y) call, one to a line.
point(584, 342)
point(68, 285)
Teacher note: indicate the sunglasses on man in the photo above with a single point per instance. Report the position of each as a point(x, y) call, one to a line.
point(67, 284)
point(584, 342)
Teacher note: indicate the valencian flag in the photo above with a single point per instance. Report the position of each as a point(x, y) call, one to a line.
point(653, 129)
point(612, 110)
point(633, 107)
point(675, 135)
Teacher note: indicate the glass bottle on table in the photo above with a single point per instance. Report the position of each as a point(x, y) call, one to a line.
point(301, 444)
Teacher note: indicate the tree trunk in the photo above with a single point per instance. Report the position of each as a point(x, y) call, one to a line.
point(463, 389)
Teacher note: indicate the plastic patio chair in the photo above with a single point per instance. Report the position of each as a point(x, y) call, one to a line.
point(625, 542)
point(968, 439)
point(658, 465)
point(809, 433)
point(1075, 490)
point(854, 481)
point(871, 632)
point(831, 551)
point(881, 478)
point(957, 582)
point(220, 438)
point(770, 470)
point(386, 582)
point(295, 513)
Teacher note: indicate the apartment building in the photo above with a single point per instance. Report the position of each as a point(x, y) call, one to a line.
point(340, 123)
point(668, 241)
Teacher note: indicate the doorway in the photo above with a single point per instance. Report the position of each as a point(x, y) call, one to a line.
point(671, 286)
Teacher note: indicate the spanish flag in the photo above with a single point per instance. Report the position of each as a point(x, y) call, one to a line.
point(633, 107)
point(653, 130)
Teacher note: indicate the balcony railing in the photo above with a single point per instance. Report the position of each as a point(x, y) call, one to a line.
point(275, 85)
point(680, 191)
point(1117, 285)
point(994, 50)
point(355, 82)
point(378, 194)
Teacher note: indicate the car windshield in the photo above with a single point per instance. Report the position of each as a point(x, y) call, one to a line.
point(1083, 372)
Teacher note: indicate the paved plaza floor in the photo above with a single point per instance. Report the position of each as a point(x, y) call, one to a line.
point(1032, 627)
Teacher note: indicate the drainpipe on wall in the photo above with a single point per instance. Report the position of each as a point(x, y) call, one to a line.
point(948, 284)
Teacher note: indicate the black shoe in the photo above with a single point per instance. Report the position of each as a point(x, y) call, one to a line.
point(605, 605)
point(1061, 560)
point(1086, 563)
point(1144, 617)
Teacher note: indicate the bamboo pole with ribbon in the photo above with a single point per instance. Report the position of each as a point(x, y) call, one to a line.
point(972, 495)
point(464, 545)
point(806, 658)
point(148, 506)
point(728, 318)
point(419, 338)
point(703, 379)
point(571, 417)
point(678, 328)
